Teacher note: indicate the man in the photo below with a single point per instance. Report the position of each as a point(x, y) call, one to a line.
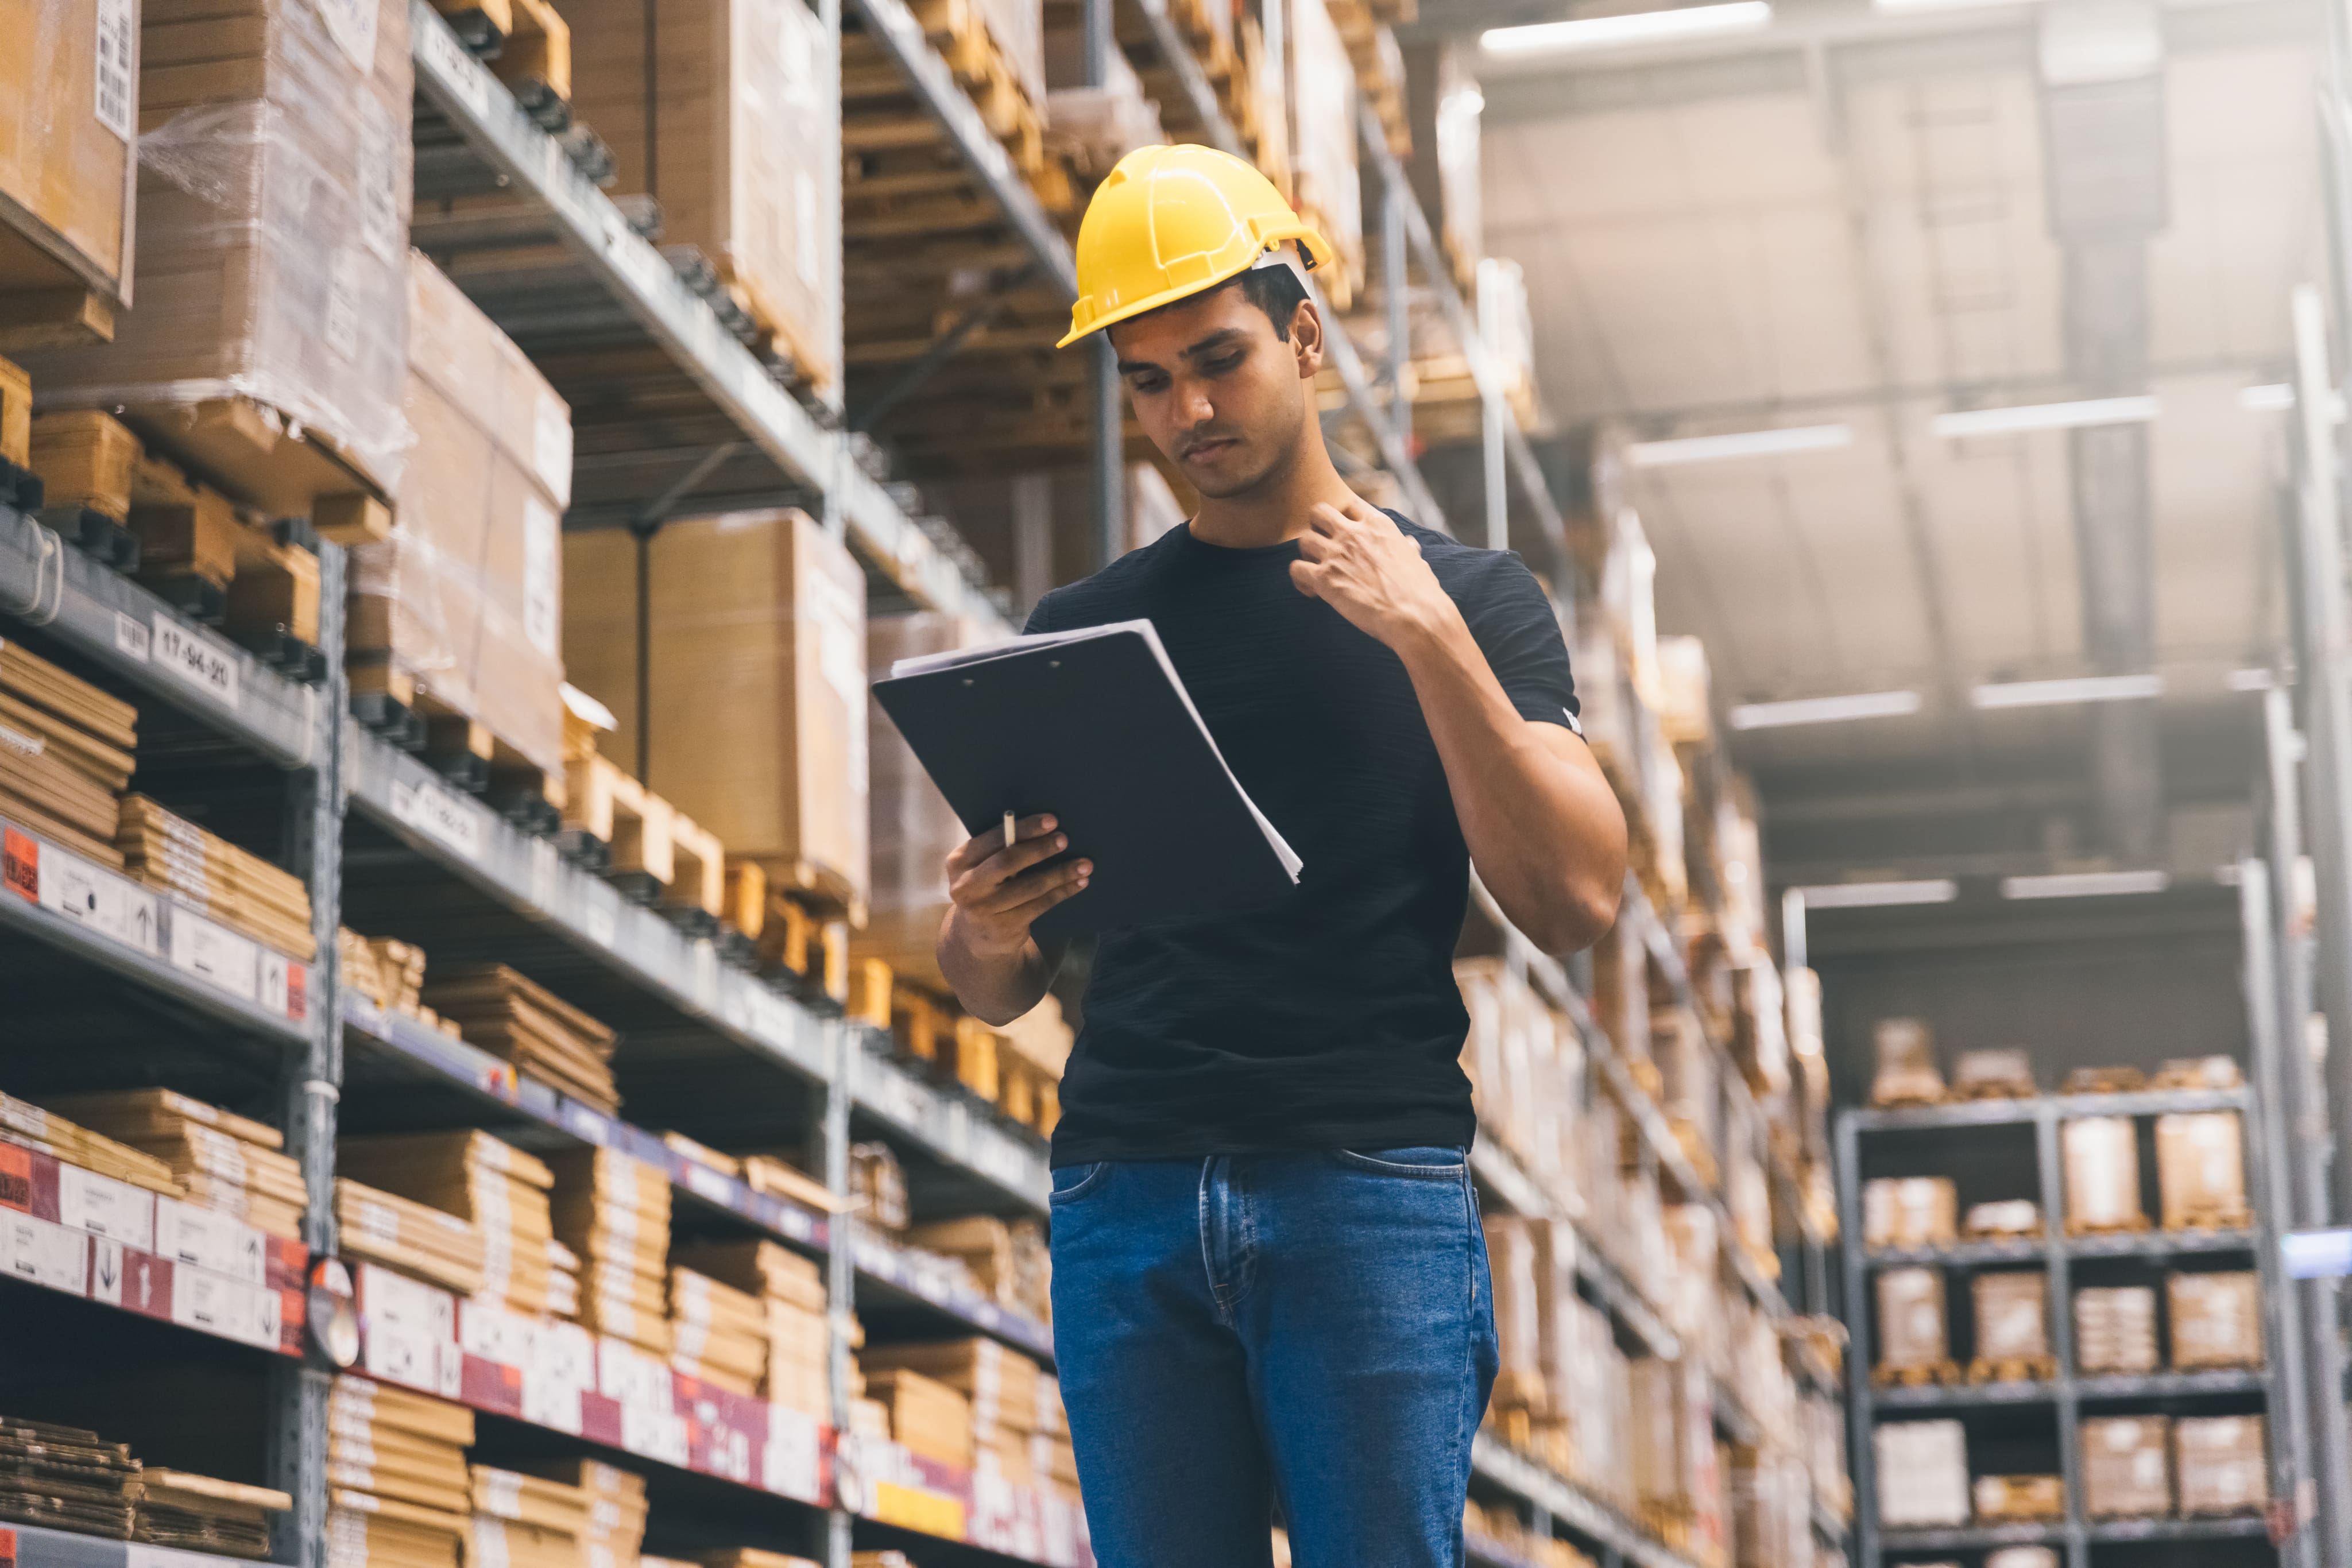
point(1269, 1280)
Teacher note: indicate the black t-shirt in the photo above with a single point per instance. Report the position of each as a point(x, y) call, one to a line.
point(1329, 1018)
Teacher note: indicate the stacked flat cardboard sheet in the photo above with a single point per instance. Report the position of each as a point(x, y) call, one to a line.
point(2127, 1466)
point(2115, 1328)
point(752, 1557)
point(528, 1522)
point(398, 1494)
point(242, 890)
point(65, 753)
point(613, 1210)
point(415, 1239)
point(983, 1244)
point(65, 1479)
point(790, 1290)
point(998, 1385)
point(33, 1127)
point(222, 1162)
point(499, 1189)
point(563, 1280)
point(927, 1417)
point(720, 1333)
point(617, 1508)
point(201, 1514)
point(543, 1036)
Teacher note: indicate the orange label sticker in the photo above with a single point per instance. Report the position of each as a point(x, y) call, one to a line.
point(20, 870)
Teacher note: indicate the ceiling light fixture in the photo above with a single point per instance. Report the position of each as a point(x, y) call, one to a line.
point(1879, 894)
point(1668, 26)
point(2044, 416)
point(1910, 6)
point(1742, 443)
point(2278, 397)
point(1824, 710)
point(2084, 885)
point(2054, 694)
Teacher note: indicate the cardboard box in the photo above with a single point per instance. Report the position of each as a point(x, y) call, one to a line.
point(68, 165)
point(2200, 1171)
point(1909, 1211)
point(2221, 1464)
point(927, 1417)
point(2023, 1557)
point(2003, 1498)
point(1443, 104)
point(272, 232)
point(2013, 1316)
point(735, 127)
point(2115, 1328)
point(2127, 1466)
point(1923, 1473)
point(2102, 1161)
point(1330, 190)
point(1913, 1327)
point(465, 596)
point(911, 826)
point(2217, 1319)
point(1906, 1072)
point(758, 680)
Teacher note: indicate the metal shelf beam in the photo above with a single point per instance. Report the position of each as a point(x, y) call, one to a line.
point(1568, 1504)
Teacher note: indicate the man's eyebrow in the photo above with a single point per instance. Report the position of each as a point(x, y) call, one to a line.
point(1224, 337)
point(1135, 367)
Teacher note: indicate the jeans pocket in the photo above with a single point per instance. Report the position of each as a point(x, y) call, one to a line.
point(1425, 1164)
point(1074, 1182)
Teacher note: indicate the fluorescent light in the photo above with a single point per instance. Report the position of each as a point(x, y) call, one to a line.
point(1941, 5)
point(1744, 443)
point(1824, 710)
point(2250, 680)
point(2052, 693)
point(2084, 885)
point(1879, 894)
point(2278, 397)
point(2044, 416)
point(1634, 27)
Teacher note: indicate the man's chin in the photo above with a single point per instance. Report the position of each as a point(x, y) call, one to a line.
point(1218, 482)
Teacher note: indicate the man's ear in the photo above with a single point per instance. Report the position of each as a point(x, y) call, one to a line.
point(1307, 338)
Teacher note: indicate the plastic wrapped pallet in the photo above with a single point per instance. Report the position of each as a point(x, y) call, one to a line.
point(2200, 1171)
point(1913, 1333)
point(913, 829)
point(1909, 1211)
point(272, 224)
point(2115, 1328)
point(1516, 1262)
point(1444, 106)
point(2023, 1557)
point(1923, 1473)
point(2102, 1160)
point(757, 677)
point(1906, 1057)
point(68, 157)
point(465, 596)
point(2013, 1315)
point(2217, 1319)
point(2126, 1466)
point(2220, 1464)
point(1329, 191)
point(734, 124)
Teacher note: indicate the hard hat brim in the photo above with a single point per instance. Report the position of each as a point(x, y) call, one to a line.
point(1312, 250)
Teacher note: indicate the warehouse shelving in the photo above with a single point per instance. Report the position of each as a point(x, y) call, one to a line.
point(1569, 1505)
point(37, 1546)
point(2065, 1395)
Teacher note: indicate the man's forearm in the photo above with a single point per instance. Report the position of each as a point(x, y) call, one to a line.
point(995, 987)
point(1543, 829)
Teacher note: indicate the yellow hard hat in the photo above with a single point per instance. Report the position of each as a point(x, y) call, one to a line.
point(1172, 222)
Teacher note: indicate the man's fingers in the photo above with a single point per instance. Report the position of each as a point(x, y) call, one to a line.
point(1006, 864)
point(1363, 511)
point(1308, 578)
point(979, 847)
point(1317, 546)
point(1325, 518)
point(1027, 888)
point(1061, 892)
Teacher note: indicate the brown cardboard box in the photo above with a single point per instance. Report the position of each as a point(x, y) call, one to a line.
point(1909, 1211)
point(2126, 1466)
point(734, 126)
point(272, 228)
point(1913, 1326)
point(1923, 1473)
point(68, 129)
point(758, 683)
point(1906, 1071)
point(1329, 191)
point(2115, 1328)
point(2200, 1170)
point(927, 1417)
point(913, 829)
point(2001, 1499)
point(465, 596)
point(1515, 1266)
point(2217, 1319)
point(2012, 1317)
point(1443, 104)
point(2102, 1160)
point(2221, 1464)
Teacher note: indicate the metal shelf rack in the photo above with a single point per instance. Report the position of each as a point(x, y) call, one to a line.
point(2065, 1396)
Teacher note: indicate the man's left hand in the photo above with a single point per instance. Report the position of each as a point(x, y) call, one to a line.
point(1357, 560)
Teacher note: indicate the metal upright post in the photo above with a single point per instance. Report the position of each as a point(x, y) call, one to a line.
point(1396, 272)
point(1860, 1455)
point(2061, 1299)
point(2289, 1395)
point(1110, 415)
point(311, 1080)
point(830, 512)
point(828, 1126)
point(1491, 417)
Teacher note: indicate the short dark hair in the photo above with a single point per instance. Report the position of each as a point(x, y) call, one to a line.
point(1273, 290)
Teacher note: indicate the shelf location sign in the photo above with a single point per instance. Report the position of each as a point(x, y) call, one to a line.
point(2317, 1254)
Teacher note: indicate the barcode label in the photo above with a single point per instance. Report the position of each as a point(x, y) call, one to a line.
point(195, 659)
point(111, 905)
point(439, 816)
point(118, 33)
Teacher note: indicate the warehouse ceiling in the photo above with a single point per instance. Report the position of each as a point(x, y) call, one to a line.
point(1848, 219)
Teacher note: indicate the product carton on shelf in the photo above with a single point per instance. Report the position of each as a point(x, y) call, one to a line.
point(2217, 1320)
point(1909, 1211)
point(911, 826)
point(2012, 1323)
point(1906, 1073)
point(2102, 1167)
point(733, 122)
point(2023, 1557)
point(2115, 1328)
point(267, 346)
point(2200, 1171)
point(68, 169)
point(462, 605)
point(2127, 1466)
point(1923, 1473)
point(2220, 1464)
point(1913, 1326)
point(1330, 191)
point(757, 678)
point(2007, 1498)
point(1444, 106)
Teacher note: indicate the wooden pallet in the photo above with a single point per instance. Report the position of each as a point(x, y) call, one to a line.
point(2012, 1369)
point(1946, 1372)
point(2136, 1226)
point(2203, 1220)
point(1990, 1090)
point(2105, 1081)
point(527, 44)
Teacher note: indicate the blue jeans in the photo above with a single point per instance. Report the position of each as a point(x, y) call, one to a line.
point(1315, 1329)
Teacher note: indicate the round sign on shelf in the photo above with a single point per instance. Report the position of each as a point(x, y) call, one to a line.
point(333, 1314)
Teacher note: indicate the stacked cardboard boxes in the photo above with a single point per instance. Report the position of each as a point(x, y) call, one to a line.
point(2115, 1328)
point(2127, 1466)
point(1923, 1473)
point(68, 166)
point(398, 1492)
point(215, 878)
point(2217, 1320)
point(718, 1332)
point(64, 753)
point(2220, 1463)
point(528, 1522)
point(617, 1508)
point(789, 1290)
point(999, 1386)
point(613, 1211)
point(927, 1417)
point(414, 1239)
point(499, 1189)
point(221, 1162)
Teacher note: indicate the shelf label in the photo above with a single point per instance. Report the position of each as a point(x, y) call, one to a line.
point(115, 907)
point(707, 1182)
point(790, 1461)
point(220, 1305)
point(130, 638)
point(195, 659)
point(227, 961)
point(20, 863)
point(440, 816)
point(584, 1123)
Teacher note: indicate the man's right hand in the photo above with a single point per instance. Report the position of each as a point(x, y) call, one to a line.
point(1000, 889)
